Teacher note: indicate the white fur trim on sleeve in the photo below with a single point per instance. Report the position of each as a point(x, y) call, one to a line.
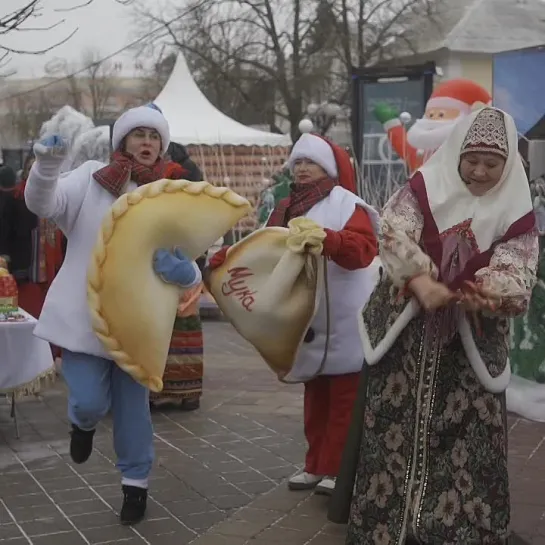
point(374, 354)
point(392, 124)
point(495, 385)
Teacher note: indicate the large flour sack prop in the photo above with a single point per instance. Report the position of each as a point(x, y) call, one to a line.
point(269, 288)
point(132, 309)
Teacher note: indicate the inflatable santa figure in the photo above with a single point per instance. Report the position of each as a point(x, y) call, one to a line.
point(449, 102)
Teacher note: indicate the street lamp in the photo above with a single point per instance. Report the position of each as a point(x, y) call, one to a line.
point(320, 116)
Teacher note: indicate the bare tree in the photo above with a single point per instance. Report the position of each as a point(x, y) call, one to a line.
point(225, 98)
point(74, 92)
point(369, 30)
point(20, 20)
point(101, 78)
point(248, 41)
point(26, 114)
point(152, 80)
point(300, 49)
point(95, 89)
point(89, 2)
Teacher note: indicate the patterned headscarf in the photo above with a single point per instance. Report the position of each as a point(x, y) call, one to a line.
point(487, 134)
point(447, 199)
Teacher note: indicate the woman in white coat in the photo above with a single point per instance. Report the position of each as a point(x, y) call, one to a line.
point(77, 203)
point(324, 191)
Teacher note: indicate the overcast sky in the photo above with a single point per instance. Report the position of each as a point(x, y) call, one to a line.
point(104, 25)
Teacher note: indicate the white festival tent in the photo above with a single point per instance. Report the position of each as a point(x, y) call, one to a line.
point(195, 121)
point(228, 152)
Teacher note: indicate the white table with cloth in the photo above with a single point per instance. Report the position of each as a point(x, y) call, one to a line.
point(25, 360)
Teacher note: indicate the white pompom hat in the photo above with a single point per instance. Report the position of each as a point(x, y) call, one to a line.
point(316, 149)
point(149, 117)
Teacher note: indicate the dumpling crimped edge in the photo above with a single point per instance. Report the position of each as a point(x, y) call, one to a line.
point(98, 257)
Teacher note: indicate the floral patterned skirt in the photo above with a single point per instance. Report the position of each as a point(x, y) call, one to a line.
point(433, 459)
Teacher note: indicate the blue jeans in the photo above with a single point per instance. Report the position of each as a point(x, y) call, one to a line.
point(98, 385)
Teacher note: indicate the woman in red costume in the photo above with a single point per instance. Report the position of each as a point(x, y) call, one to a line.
point(324, 191)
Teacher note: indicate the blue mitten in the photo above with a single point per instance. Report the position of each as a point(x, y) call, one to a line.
point(175, 268)
point(50, 154)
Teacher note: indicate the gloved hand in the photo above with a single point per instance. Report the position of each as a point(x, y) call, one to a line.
point(385, 113)
point(50, 154)
point(175, 268)
point(305, 236)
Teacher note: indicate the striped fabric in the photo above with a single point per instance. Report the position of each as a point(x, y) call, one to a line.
point(184, 368)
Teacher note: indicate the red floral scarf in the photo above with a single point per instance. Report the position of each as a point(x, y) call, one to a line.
point(301, 199)
point(124, 167)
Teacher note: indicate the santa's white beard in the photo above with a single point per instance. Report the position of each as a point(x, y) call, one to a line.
point(429, 134)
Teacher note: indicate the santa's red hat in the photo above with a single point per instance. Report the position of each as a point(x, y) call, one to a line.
point(331, 157)
point(459, 94)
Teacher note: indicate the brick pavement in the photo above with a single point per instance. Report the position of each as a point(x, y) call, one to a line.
point(220, 472)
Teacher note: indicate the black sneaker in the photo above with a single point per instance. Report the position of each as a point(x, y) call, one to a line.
point(81, 444)
point(134, 504)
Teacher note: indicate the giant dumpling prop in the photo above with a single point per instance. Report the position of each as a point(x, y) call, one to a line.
point(132, 309)
point(269, 288)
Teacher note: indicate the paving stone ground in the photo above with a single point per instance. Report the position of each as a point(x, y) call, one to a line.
point(220, 472)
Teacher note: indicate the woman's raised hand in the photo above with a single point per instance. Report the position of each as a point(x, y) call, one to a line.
point(50, 154)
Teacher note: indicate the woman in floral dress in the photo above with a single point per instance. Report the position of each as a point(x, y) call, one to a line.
point(459, 252)
point(184, 370)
